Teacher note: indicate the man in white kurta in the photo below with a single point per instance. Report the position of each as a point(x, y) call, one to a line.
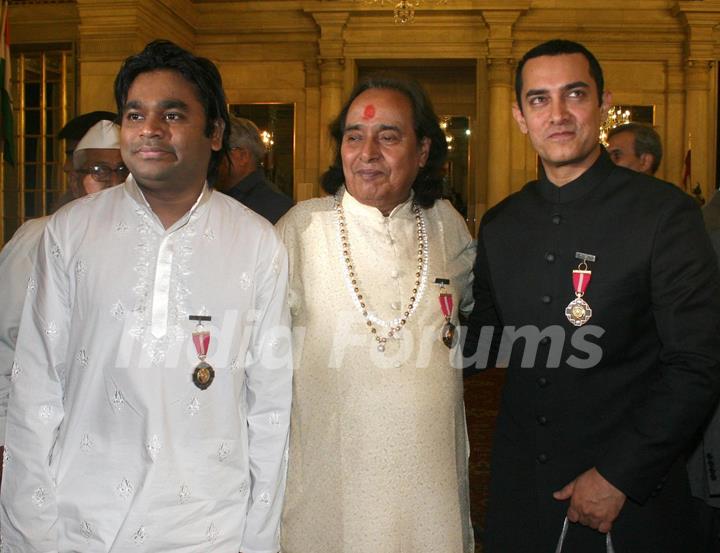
point(110, 445)
point(378, 456)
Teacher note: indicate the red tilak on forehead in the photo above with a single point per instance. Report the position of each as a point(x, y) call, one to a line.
point(369, 111)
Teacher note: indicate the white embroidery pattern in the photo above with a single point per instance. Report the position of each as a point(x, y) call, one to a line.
point(80, 268)
point(153, 447)
point(82, 358)
point(15, 371)
point(121, 227)
point(209, 234)
point(274, 418)
point(55, 251)
point(212, 533)
point(86, 529)
point(243, 488)
point(125, 489)
point(117, 311)
point(32, 284)
point(86, 443)
point(193, 408)
point(51, 330)
point(139, 536)
point(276, 264)
point(118, 400)
point(235, 365)
point(223, 452)
point(265, 498)
point(245, 281)
point(184, 494)
point(39, 497)
point(46, 412)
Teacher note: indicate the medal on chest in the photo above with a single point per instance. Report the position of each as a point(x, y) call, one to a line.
point(578, 312)
point(448, 331)
point(204, 374)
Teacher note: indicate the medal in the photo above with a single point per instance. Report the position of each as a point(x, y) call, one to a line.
point(204, 374)
point(578, 312)
point(446, 306)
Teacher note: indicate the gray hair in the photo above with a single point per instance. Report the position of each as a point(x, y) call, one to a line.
point(245, 134)
point(647, 141)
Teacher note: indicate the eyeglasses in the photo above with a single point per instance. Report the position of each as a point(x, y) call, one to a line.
point(103, 173)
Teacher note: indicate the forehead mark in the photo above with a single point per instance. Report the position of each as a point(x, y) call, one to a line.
point(369, 111)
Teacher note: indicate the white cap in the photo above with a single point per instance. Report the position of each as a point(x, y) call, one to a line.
point(102, 135)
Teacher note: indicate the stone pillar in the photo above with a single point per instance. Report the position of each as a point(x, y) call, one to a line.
point(331, 62)
point(675, 138)
point(500, 75)
point(309, 185)
point(697, 123)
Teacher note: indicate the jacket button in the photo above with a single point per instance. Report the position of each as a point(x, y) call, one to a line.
point(542, 421)
point(542, 382)
point(549, 257)
point(546, 299)
point(542, 458)
point(556, 219)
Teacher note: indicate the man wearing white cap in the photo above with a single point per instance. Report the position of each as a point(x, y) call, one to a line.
point(97, 159)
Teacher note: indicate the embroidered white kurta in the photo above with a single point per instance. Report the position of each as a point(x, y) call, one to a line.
point(378, 448)
point(16, 263)
point(110, 447)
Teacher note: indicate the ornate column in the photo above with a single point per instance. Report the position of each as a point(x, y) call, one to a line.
point(331, 62)
point(700, 109)
point(111, 30)
point(500, 79)
point(309, 185)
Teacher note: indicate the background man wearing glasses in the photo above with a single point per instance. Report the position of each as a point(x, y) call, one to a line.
point(97, 155)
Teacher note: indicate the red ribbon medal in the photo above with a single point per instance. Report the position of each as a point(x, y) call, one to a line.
point(204, 374)
point(446, 306)
point(578, 311)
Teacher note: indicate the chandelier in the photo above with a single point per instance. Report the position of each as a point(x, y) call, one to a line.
point(404, 11)
point(616, 116)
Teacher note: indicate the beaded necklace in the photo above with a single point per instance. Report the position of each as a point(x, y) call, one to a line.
point(351, 279)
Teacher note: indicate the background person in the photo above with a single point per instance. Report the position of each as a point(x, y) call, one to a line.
point(636, 147)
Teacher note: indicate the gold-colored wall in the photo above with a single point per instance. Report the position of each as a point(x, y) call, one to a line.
point(660, 52)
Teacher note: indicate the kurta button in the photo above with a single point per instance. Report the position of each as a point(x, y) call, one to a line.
point(556, 219)
point(542, 382)
point(394, 273)
point(546, 299)
point(549, 257)
point(542, 421)
point(542, 458)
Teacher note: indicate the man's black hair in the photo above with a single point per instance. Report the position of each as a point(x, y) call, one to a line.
point(201, 72)
point(557, 47)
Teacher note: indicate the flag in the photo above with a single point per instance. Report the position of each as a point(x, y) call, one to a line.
point(7, 129)
point(687, 171)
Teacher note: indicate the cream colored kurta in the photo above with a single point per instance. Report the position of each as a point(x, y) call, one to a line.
point(378, 455)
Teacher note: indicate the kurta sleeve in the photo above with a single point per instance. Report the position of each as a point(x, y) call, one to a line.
point(268, 371)
point(16, 262)
point(685, 289)
point(35, 412)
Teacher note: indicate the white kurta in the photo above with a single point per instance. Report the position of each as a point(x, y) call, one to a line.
point(110, 447)
point(378, 449)
point(16, 263)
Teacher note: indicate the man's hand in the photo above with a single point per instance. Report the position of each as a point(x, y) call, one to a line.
point(594, 501)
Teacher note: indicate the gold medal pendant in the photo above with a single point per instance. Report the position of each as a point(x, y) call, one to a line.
point(203, 375)
point(448, 334)
point(578, 312)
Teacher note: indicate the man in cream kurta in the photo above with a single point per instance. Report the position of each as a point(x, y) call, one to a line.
point(378, 457)
point(110, 445)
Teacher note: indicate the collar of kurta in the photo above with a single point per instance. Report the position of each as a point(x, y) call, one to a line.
point(370, 213)
point(136, 195)
point(584, 184)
